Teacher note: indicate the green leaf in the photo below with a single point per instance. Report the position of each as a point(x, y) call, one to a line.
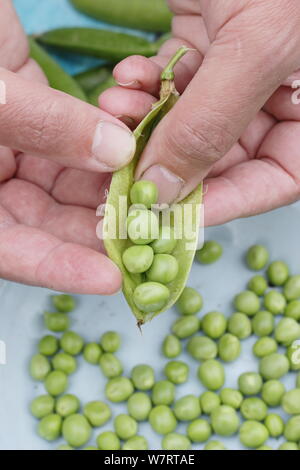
point(121, 184)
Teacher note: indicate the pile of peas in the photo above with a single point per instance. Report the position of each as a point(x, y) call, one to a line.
point(211, 340)
point(151, 252)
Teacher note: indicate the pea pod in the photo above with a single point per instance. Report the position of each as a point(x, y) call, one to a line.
point(91, 78)
point(56, 76)
point(149, 15)
point(121, 184)
point(99, 43)
point(93, 95)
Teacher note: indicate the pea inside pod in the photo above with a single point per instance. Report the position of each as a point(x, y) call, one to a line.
point(155, 292)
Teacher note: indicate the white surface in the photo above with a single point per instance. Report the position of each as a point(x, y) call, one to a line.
point(21, 326)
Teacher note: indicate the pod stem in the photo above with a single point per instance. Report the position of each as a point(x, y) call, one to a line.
point(168, 72)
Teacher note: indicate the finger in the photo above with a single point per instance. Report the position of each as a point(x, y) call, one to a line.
point(13, 42)
point(30, 205)
point(131, 105)
point(41, 172)
point(212, 113)
point(247, 189)
point(284, 104)
point(31, 256)
point(7, 164)
point(188, 6)
point(193, 30)
point(50, 124)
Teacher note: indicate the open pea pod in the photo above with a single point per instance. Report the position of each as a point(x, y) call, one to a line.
point(121, 184)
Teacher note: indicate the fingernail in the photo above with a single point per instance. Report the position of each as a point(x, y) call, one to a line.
point(169, 185)
point(133, 83)
point(113, 146)
point(126, 119)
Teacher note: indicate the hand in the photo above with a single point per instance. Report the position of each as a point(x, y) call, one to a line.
point(47, 205)
point(235, 124)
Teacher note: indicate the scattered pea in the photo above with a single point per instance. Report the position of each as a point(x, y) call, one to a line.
point(39, 367)
point(67, 405)
point(292, 310)
point(247, 302)
point(92, 353)
point(274, 302)
point(64, 447)
point(225, 420)
point(135, 443)
point(272, 392)
point(71, 343)
point(291, 402)
point(214, 445)
point(118, 389)
point(257, 257)
point(240, 325)
point(291, 288)
point(49, 427)
point(97, 413)
point(288, 446)
point(64, 303)
point(56, 322)
point(177, 372)
point(64, 362)
point(214, 324)
point(162, 419)
point(287, 331)
point(199, 430)
point(202, 348)
point(110, 365)
point(187, 408)
point(229, 348)
point(258, 285)
point(139, 406)
point(231, 397)
point(176, 441)
point(210, 252)
point(263, 323)
point(171, 346)
point(48, 345)
point(110, 341)
point(250, 383)
point(293, 355)
point(253, 434)
point(298, 381)
point(292, 429)
point(56, 382)
point(42, 406)
point(190, 301)
point(143, 377)
point(274, 366)
point(274, 424)
point(125, 426)
point(278, 273)
point(163, 393)
point(209, 401)
point(264, 346)
point(108, 440)
point(212, 375)
point(76, 430)
point(186, 326)
point(254, 409)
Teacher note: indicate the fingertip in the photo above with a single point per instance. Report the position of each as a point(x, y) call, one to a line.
point(138, 72)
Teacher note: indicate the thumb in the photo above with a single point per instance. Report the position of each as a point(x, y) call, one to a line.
point(44, 122)
point(234, 81)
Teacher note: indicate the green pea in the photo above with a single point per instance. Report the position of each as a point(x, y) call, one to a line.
point(264, 346)
point(171, 347)
point(108, 440)
point(258, 285)
point(190, 301)
point(250, 383)
point(151, 296)
point(162, 419)
point(274, 366)
point(278, 273)
point(212, 375)
point(257, 257)
point(56, 382)
point(292, 429)
point(293, 355)
point(199, 430)
point(177, 372)
point(118, 389)
point(214, 324)
point(287, 331)
point(110, 341)
point(64, 447)
point(288, 446)
point(225, 420)
point(92, 353)
point(166, 241)
point(274, 302)
point(64, 362)
point(264, 448)
point(143, 377)
point(254, 409)
point(49, 427)
point(42, 406)
point(135, 443)
point(247, 302)
point(187, 408)
point(110, 365)
point(202, 348)
point(64, 303)
point(186, 326)
point(90, 448)
point(138, 259)
point(125, 426)
point(209, 253)
point(97, 413)
point(272, 392)
point(39, 367)
point(163, 393)
point(142, 226)
point(214, 445)
point(231, 397)
point(253, 434)
point(298, 381)
point(144, 192)
point(176, 441)
point(139, 406)
point(76, 430)
point(292, 310)
point(274, 424)
point(67, 405)
point(164, 269)
point(263, 323)
point(229, 348)
point(240, 325)
point(71, 343)
point(291, 402)
point(209, 401)
point(291, 288)
point(48, 345)
point(56, 322)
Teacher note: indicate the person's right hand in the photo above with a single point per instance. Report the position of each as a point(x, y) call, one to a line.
point(55, 155)
point(234, 125)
